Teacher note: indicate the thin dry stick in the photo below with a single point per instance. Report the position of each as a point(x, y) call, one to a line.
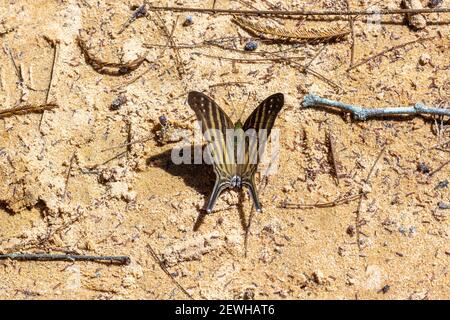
point(122, 260)
point(171, 41)
point(439, 169)
point(55, 45)
point(334, 203)
point(163, 267)
point(128, 144)
point(138, 13)
point(388, 50)
point(358, 211)
point(109, 68)
point(68, 176)
point(298, 13)
point(352, 30)
point(132, 80)
point(333, 156)
point(26, 109)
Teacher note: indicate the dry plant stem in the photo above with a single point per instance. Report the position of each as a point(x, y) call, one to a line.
point(362, 193)
point(163, 267)
point(361, 113)
point(55, 46)
point(122, 260)
point(138, 13)
point(333, 156)
point(439, 169)
point(171, 41)
point(388, 50)
point(128, 144)
point(109, 68)
point(351, 21)
point(337, 202)
point(26, 109)
point(297, 13)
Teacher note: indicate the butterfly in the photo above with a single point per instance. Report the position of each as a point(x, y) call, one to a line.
point(217, 126)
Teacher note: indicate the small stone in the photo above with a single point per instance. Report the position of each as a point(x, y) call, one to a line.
point(162, 120)
point(351, 230)
point(424, 59)
point(287, 188)
point(318, 277)
point(118, 102)
point(417, 21)
point(423, 168)
point(434, 3)
point(188, 21)
point(249, 294)
point(385, 289)
point(251, 46)
point(443, 205)
point(442, 184)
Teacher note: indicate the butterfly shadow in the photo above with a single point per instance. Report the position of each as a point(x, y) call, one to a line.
point(200, 177)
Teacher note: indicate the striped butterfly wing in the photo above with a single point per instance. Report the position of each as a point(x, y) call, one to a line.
point(258, 127)
point(215, 124)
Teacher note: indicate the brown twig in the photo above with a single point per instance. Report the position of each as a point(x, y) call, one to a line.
point(127, 144)
point(55, 45)
point(109, 68)
point(387, 51)
point(333, 156)
point(171, 41)
point(163, 267)
point(297, 13)
point(439, 168)
point(334, 203)
point(26, 109)
point(351, 21)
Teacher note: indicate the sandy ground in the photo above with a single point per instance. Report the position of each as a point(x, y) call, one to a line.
point(59, 193)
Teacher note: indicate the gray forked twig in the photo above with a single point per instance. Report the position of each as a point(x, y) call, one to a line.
point(362, 113)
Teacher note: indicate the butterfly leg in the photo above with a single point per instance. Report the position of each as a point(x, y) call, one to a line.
point(219, 186)
point(254, 195)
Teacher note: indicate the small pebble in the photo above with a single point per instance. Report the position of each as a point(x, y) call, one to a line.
point(423, 168)
point(188, 21)
point(385, 289)
point(442, 184)
point(424, 59)
point(118, 102)
point(443, 205)
point(434, 3)
point(163, 120)
point(251, 46)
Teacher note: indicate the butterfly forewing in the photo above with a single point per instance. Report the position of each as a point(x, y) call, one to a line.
point(215, 124)
point(261, 122)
